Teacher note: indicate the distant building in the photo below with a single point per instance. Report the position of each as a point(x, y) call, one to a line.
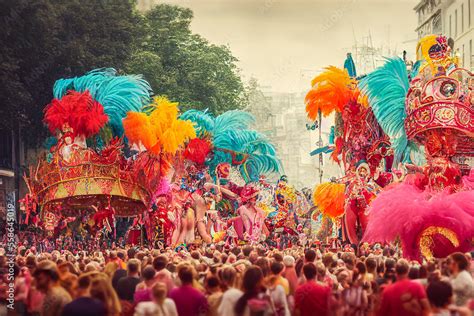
point(282, 117)
point(453, 18)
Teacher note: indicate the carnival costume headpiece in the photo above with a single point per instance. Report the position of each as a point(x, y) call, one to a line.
point(79, 178)
point(233, 142)
point(427, 212)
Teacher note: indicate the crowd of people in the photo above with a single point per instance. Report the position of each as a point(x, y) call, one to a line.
point(243, 280)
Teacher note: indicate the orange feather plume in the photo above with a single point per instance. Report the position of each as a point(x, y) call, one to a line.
point(160, 131)
point(329, 198)
point(331, 91)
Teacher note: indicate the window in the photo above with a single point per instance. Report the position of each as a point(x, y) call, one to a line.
point(463, 59)
point(456, 23)
point(469, 12)
point(470, 54)
point(450, 27)
point(462, 18)
point(437, 24)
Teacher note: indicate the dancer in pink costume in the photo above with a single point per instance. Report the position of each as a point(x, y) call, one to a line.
point(252, 216)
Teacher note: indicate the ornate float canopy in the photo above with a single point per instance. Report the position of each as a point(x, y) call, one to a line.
point(86, 170)
point(86, 180)
point(441, 102)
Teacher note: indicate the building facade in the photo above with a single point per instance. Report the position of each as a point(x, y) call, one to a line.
point(453, 18)
point(282, 117)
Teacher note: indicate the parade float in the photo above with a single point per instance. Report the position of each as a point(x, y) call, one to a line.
point(404, 139)
point(90, 174)
point(430, 110)
point(85, 173)
point(116, 151)
point(357, 143)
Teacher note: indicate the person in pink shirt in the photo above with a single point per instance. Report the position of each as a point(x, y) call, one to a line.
point(162, 274)
point(405, 297)
point(189, 301)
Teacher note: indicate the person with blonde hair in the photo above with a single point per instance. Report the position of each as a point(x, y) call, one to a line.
point(160, 306)
point(228, 278)
point(101, 289)
point(110, 268)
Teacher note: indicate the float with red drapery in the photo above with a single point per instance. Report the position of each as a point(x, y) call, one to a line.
point(404, 136)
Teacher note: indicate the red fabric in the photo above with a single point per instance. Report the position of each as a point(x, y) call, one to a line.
point(312, 299)
point(402, 299)
point(134, 237)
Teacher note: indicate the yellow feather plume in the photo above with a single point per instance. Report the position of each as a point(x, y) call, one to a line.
point(161, 130)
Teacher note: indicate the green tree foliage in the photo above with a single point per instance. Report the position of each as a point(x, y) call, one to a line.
point(44, 40)
point(184, 66)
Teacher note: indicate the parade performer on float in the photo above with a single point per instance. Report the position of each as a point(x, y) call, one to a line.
point(252, 216)
point(238, 155)
point(86, 175)
point(345, 200)
point(431, 213)
point(162, 136)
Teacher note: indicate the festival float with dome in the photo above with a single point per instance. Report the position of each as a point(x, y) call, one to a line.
point(404, 138)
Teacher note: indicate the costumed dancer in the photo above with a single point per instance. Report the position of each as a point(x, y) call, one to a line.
point(252, 216)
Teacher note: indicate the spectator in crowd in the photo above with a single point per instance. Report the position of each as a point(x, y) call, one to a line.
point(101, 289)
point(231, 294)
point(47, 281)
point(143, 289)
point(188, 300)
point(84, 304)
point(126, 286)
point(159, 306)
point(405, 296)
point(312, 298)
point(461, 279)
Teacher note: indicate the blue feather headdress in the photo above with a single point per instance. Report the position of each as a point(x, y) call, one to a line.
point(117, 94)
point(386, 88)
point(231, 131)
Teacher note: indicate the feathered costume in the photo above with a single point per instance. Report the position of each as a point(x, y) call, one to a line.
point(431, 212)
point(85, 171)
point(357, 141)
point(161, 133)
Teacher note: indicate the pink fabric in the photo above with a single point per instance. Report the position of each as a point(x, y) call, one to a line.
point(405, 211)
point(143, 295)
point(164, 276)
point(239, 227)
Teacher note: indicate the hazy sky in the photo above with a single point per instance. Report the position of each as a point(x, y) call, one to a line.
point(283, 43)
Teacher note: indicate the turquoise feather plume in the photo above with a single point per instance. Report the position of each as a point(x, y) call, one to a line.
point(203, 121)
point(231, 131)
point(117, 94)
point(386, 88)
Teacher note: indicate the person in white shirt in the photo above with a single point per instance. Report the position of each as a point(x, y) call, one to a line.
point(231, 295)
point(461, 279)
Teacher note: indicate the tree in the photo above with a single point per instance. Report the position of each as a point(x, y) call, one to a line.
point(187, 68)
point(44, 40)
